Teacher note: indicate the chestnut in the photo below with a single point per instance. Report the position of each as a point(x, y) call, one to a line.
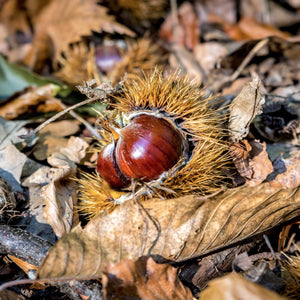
point(147, 147)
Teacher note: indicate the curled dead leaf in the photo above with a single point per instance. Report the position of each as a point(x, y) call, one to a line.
point(57, 187)
point(30, 97)
point(252, 161)
point(244, 107)
point(139, 280)
point(175, 229)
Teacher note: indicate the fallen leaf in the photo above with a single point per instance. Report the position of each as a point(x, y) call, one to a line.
point(25, 266)
point(208, 54)
point(187, 31)
point(52, 138)
point(259, 163)
point(248, 28)
point(244, 108)
point(35, 221)
point(176, 229)
point(235, 287)
point(236, 87)
point(251, 160)
point(32, 96)
point(286, 172)
point(47, 145)
point(11, 165)
point(62, 22)
point(139, 280)
point(240, 157)
point(55, 188)
point(60, 194)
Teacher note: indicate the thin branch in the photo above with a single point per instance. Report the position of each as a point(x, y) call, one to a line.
point(57, 116)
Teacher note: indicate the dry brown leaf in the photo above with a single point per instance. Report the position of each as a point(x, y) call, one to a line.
point(188, 32)
point(287, 172)
point(236, 287)
point(25, 266)
point(248, 28)
point(176, 229)
point(59, 193)
point(62, 22)
point(251, 161)
point(244, 107)
point(16, 106)
point(61, 128)
point(143, 279)
point(51, 138)
point(259, 163)
point(207, 54)
point(236, 86)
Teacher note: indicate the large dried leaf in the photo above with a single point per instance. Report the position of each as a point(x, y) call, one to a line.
point(62, 22)
point(176, 229)
point(244, 108)
point(138, 280)
point(235, 287)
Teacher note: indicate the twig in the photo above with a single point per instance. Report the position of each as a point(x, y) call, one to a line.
point(248, 58)
point(55, 117)
point(174, 10)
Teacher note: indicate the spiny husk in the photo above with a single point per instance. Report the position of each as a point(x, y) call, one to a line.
point(95, 194)
point(291, 274)
point(140, 57)
point(144, 10)
point(191, 110)
point(188, 106)
point(76, 66)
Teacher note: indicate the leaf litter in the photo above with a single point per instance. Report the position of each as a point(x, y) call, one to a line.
point(214, 48)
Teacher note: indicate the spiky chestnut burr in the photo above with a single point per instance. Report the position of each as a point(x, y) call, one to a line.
point(196, 140)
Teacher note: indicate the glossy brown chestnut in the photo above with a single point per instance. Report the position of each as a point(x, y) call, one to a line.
point(108, 168)
point(147, 147)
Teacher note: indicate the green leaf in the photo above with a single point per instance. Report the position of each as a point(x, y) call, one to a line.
point(14, 78)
